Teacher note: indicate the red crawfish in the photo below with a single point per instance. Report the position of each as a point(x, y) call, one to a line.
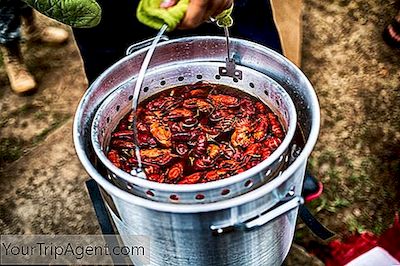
point(216, 175)
point(191, 179)
point(275, 126)
point(231, 165)
point(200, 148)
point(261, 130)
point(272, 143)
point(162, 104)
point(247, 107)
point(202, 105)
point(156, 177)
point(113, 156)
point(175, 172)
point(179, 113)
point(224, 101)
point(213, 151)
point(156, 156)
point(122, 144)
point(182, 149)
point(261, 109)
point(201, 93)
point(242, 134)
point(253, 150)
point(203, 163)
point(161, 132)
point(146, 140)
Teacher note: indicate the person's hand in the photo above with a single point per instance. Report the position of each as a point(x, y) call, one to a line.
point(199, 11)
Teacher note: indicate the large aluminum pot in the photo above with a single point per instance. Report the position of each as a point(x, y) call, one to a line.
point(255, 228)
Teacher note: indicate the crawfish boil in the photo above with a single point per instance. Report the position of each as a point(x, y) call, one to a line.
point(196, 133)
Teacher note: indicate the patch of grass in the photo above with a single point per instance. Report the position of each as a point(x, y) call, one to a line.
point(355, 226)
point(328, 157)
point(40, 115)
point(337, 204)
point(59, 119)
point(10, 149)
point(333, 174)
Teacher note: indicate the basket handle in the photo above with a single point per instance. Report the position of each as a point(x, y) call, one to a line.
point(137, 46)
point(285, 205)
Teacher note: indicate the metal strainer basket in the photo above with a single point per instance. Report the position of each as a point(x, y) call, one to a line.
point(119, 103)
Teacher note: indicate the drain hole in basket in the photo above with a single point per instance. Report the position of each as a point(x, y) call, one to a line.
point(225, 192)
point(162, 82)
point(146, 89)
point(181, 78)
point(199, 76)
point(251, 84)
point(174, 197)
point(248, 183)
point(118, 108)
point(266, 92)
point(235, 80)
point(150, 193)
point(278, 102)
point(130, 97)
point(217, 77)
point(200, 196)
point(108, 119)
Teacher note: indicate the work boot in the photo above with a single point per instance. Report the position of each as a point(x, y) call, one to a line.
point(21, 80)
point(49, 34)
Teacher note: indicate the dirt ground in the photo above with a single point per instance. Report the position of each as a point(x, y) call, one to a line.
point(357, 79)
point(357, 157)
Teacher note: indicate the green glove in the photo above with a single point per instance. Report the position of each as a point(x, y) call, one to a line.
point(76, 13)
point(151, 14)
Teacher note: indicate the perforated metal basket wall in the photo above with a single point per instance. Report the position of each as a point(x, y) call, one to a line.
point(119, 103)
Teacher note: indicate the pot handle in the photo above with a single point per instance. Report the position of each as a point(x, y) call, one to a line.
point(285, 205)
point(137, 46)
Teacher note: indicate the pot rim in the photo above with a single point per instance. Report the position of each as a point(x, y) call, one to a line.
point(198, 207)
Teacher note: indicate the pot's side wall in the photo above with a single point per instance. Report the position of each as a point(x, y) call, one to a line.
point(186, 239)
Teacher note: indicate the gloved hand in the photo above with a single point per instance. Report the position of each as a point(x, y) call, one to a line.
point(183, 13)
point(76, 13)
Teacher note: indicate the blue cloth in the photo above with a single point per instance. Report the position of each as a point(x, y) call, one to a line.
point(103, 45)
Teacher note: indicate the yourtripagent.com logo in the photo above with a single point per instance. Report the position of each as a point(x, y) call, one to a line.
point(75, 249)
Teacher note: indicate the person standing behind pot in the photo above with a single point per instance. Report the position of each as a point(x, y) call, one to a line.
point(103, 45)
point(11, 14)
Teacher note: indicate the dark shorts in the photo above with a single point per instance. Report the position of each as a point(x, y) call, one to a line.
point(11, 12)
point(103, 45)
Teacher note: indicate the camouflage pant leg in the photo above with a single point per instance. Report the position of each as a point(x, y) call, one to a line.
point(10, 19)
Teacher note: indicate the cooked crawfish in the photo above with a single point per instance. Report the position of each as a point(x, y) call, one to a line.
point(113, 156)
point(242, 135)
point(175, 172)
point(261, 130)
point(195, 134)
point(161, 132)
point(191, 179)
point(224, 101)
point(202, 105)
point(156, 156)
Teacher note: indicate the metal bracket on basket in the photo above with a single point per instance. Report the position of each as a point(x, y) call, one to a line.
point(137, 46)
point(230, 69)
